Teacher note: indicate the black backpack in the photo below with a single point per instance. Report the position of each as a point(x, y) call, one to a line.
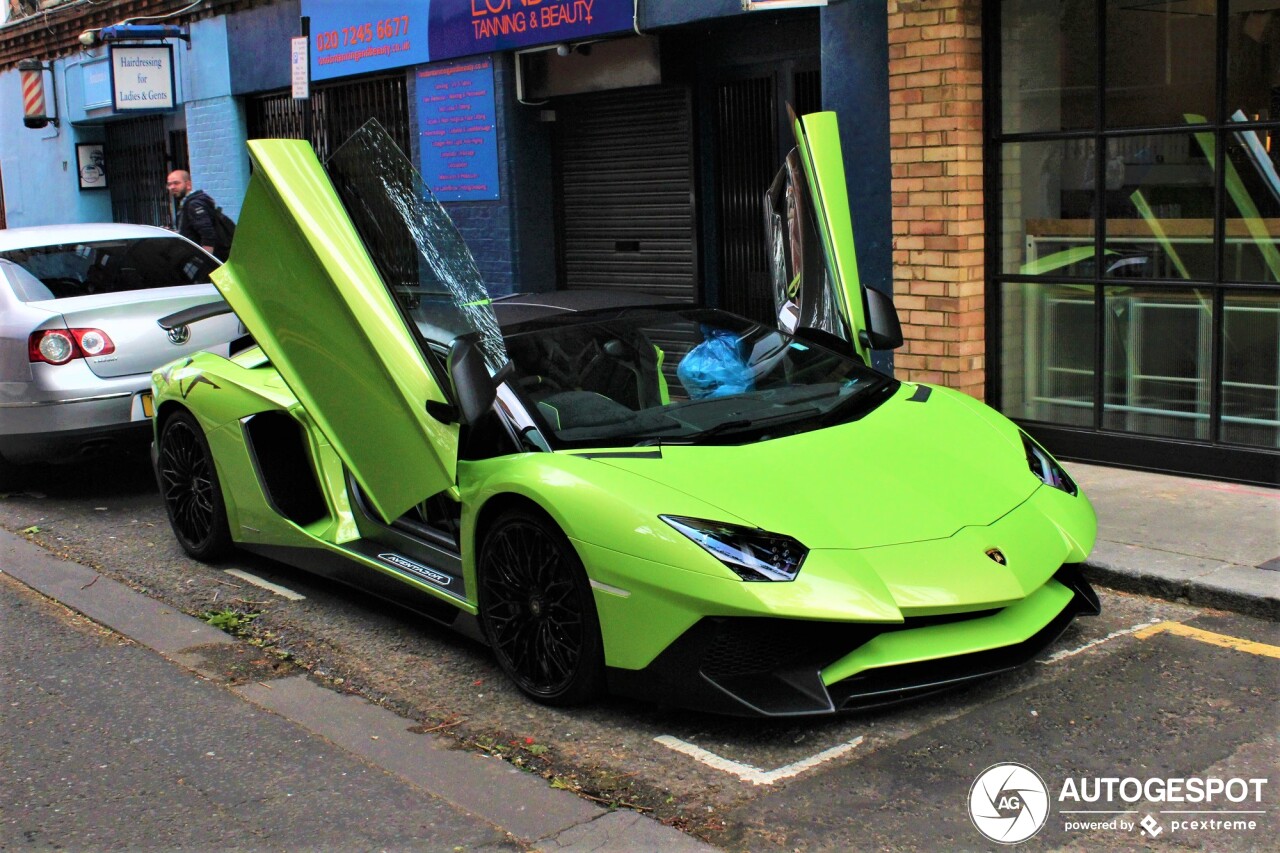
point(224, 230)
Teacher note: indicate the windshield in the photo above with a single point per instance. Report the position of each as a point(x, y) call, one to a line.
point(107, 266)
point(645, 376)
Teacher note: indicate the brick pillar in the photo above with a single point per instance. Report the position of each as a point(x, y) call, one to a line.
point(935, 138)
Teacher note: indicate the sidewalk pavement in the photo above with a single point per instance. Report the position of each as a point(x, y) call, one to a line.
point(1211, 544)
point(1207, 543)
point(107, 746)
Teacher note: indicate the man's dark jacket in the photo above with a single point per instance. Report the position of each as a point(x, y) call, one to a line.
point(195, 221)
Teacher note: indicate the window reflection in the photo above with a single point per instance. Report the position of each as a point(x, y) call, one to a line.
point(1164, 204)
point(1253, 59)
point(1158, 345)
point(1159, 203)
point(1049, 65)
point(1048, 203)
point(1251, 368)
point(1048, 357)
point(1253, 206)
point(1161, 56)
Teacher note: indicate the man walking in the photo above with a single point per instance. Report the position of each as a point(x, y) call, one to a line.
point(196, 214)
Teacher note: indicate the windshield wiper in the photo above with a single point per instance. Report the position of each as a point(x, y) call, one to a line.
point(742, 424)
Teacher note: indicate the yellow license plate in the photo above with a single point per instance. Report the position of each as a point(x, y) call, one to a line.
point(148, 405)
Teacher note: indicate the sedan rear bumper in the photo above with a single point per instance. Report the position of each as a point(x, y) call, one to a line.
point(73, 429)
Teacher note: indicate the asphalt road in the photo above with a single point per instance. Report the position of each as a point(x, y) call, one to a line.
point(1124, 695)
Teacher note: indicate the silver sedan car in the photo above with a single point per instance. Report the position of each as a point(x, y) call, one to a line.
point(79, 339)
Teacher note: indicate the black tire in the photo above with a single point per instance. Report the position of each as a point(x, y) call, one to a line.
point(537, 610)
point(190, 488)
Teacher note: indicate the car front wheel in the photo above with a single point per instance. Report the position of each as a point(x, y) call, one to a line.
point(189, 485)
point(537, 610)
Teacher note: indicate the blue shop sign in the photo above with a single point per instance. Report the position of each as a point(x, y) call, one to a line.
point(379, 34)
point(457, 135)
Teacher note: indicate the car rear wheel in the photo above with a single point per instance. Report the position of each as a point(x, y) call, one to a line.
point(189, 485)
point(538, 612)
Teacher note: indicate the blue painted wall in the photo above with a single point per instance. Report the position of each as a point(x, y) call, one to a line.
point(258, 44)
point(511, 238)
point(38, 167)
point(216, 132)
point(855, 83)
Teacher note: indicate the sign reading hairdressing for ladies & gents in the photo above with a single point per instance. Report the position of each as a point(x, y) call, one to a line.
point(142, 77)
point(357, 38)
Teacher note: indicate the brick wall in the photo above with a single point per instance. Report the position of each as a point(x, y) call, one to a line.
point(216, 146)
point(935, 127)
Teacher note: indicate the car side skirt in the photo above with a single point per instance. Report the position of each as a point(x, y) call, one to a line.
point(349, 570)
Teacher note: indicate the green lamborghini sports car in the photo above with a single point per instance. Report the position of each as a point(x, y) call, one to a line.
point(615, 493)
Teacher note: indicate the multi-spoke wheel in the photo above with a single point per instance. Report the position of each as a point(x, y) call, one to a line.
point(189, 486)
point(537, 610)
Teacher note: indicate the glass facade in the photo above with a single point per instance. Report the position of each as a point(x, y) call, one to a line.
point(1136, 222)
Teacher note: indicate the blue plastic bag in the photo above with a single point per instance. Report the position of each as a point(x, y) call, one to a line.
point(715, 367)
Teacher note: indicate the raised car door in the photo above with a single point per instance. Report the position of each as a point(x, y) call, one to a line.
point(351, 277)
point(814, 268)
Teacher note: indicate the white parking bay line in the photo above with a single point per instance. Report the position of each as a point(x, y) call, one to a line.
point(1057, 656)
point(755, 775)
point(282, 591)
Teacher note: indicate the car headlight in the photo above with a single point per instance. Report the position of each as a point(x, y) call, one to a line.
point(752, 554)
point(1046, 468)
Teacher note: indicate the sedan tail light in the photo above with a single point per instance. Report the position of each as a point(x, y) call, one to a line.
point(58, 346)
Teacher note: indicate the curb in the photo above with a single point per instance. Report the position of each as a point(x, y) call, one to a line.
point(1246, 590)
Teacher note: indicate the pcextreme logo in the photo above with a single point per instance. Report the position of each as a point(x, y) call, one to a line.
point(1009, 803)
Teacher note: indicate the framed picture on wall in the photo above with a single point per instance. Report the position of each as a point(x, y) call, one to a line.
point(91, 165)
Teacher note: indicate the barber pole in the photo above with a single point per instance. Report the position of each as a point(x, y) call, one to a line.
point(33, 109)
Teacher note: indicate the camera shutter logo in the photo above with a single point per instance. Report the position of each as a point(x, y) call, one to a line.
point(1008, 803)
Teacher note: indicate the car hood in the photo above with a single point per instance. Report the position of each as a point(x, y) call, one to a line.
point(911, 470)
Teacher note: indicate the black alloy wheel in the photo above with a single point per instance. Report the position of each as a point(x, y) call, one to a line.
point(538, 612)
point(189, 486)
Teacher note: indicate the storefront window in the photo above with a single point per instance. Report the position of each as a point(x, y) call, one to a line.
point(1251, 368)
point(1047, 208)
point(1161, 57)
point(1157, 346)
point(1252, 184)
point(1049, 65)
point(1159, 202)
point(1147, 177)
point(1253, 60)
point(1048, 368)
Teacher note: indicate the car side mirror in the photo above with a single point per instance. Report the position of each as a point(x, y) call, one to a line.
point(474, 390)
point(883, 331)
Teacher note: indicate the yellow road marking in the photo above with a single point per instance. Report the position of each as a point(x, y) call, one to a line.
point(1211, 638)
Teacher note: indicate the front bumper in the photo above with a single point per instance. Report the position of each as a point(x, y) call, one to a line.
point(750, 666)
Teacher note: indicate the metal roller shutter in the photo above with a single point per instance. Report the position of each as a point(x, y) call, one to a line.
point(625, 186)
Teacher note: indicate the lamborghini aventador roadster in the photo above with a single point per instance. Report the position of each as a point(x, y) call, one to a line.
point(613, 492)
